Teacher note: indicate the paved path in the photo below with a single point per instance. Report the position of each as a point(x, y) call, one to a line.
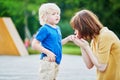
point(26, 68)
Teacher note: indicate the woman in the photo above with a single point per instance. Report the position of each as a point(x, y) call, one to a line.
point(104, 52)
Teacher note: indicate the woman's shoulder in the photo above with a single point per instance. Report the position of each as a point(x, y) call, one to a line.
point(108, 34)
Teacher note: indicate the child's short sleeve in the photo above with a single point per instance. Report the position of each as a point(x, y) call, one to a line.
point(41, 34)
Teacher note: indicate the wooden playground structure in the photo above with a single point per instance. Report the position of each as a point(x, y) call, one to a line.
point(10, 41)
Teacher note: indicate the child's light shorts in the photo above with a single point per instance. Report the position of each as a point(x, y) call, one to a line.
point(48, 70)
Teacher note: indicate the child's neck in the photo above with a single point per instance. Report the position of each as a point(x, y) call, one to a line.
point(54, 26)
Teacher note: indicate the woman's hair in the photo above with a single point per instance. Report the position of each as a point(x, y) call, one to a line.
point(45, 9)
point(87, 24)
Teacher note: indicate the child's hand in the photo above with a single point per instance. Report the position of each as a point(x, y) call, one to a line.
point(71, 37)
point(51, 57)
point(68, 38)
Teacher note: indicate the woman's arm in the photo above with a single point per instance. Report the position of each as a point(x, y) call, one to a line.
point(87, 59)
point(88, 55)
point(99, 66)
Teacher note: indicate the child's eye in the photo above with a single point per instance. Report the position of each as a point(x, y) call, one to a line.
point(53, 13)
point(57, 13)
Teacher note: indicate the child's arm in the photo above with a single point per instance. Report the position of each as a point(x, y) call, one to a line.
point(37, 46)
point(68, 38)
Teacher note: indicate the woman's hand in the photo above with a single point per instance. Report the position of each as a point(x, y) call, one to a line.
point(80, 42)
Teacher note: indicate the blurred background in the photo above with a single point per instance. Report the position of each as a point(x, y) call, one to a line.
point(24, 14)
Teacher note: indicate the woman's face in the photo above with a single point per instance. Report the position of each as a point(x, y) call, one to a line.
point(77, 33)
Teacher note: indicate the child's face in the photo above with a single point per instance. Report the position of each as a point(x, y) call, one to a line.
point(53, 17)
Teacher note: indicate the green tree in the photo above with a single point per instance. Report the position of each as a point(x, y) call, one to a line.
point(26, 11)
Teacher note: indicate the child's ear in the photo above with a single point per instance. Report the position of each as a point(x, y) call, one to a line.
point(44, 17)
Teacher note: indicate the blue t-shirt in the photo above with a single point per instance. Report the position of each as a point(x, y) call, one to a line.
point(50, 39)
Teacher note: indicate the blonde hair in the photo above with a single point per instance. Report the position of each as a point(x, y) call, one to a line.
point(45, 9)
point(87, 24)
